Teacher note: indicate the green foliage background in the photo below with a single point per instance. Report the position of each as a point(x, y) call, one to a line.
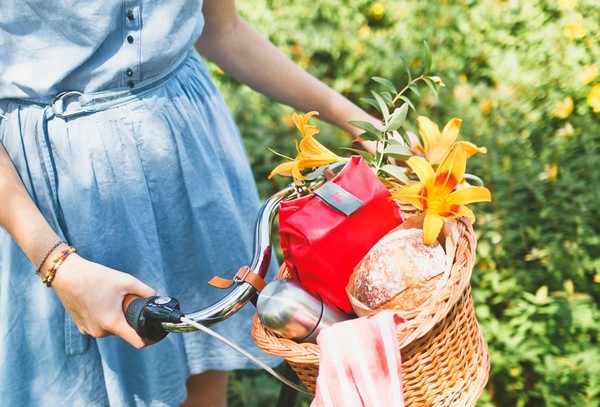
point(507, 65)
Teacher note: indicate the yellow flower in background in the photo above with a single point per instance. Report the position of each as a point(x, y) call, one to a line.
point(593, 98)
point(311, 153)
point(566, 131)
point(436, 144)
point(564, 108)
point(568, 4)
point(589, 73)
point(435, 194)
point(486, 106)
point(550, 173)
point(376, 11)
point(574, 31)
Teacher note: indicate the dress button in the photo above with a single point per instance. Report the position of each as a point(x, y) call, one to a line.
point(129, 72)
point(130, 39)
point(130, 15)
point(130, 83)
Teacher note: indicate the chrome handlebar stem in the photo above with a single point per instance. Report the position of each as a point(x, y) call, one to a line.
point(243, 292)
point(261, 259)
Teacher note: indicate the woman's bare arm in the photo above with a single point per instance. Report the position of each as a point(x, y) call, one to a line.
point(251, 59)
point(92, 294)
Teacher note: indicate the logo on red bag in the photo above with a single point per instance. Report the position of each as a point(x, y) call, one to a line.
point(338, 198)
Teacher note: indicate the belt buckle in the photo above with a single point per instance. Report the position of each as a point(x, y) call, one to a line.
point(58, 104)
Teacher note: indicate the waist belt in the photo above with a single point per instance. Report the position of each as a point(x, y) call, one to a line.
point(73, 102)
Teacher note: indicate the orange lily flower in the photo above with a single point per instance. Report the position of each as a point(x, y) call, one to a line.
point(311, 153)
point(436, 144)
point(435, 194)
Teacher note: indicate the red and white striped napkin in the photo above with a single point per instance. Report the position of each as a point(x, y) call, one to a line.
point(360, 363)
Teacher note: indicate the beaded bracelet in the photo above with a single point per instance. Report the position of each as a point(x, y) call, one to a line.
point(54, 246)
point(56, 265)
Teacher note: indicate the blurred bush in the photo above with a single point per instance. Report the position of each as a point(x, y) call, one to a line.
point(525, 79)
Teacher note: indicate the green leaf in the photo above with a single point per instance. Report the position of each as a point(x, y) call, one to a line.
point(396, 172)
point(316, 173)
point(397, 118)
point(371, 102)
point(364, 154)
point(383, 107)
point(426, 58)
point(398, 151)
point(415, 89)
point(432, 86)
point(385, 82)
point(404, 134)
point(407, 69)
point(369, 128)
point(387, 96)
point(369, 136)
point(408, 102)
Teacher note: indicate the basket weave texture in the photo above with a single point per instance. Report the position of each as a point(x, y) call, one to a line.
point(445, 359)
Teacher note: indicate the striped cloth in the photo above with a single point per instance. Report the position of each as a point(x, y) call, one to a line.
point(360, 363)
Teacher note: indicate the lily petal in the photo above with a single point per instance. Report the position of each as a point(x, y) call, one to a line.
point(411, 193)
point(422, 168)
point(301, 123)
point(436, 144)
point(296, 174)
point(450, 132)
point(469, 195)
point(450, 172)
point(312, 148)
point(464, 211)
point(445, 141)
point(285, 169)
point(455, 211)
point(471, 149)
point(432, 225)
point(428, 130)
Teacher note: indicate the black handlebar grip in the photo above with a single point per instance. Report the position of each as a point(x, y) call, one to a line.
point(133, 310)
point(146, 328)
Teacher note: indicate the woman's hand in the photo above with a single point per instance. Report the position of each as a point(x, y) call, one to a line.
point(93, 296)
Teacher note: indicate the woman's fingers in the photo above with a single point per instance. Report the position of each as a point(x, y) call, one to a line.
point(133, 286)
point(93, 296)
point(134, 289)
point(128, 334)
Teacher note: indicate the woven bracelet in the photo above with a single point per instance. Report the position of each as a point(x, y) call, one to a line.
point(56, 265)
point(54, 246)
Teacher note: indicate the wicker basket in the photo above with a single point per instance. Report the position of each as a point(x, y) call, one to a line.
point(445, 360)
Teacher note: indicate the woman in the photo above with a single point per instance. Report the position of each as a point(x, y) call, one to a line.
point(138, 167)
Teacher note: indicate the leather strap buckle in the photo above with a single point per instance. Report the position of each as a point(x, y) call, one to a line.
point(66, 104)
point(244, 275)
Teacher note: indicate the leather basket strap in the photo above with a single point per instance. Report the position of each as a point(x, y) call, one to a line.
point(244, 275)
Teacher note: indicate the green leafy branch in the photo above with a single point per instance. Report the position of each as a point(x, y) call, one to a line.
point(391, 137)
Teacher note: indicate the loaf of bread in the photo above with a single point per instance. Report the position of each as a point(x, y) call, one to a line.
point(400, 272)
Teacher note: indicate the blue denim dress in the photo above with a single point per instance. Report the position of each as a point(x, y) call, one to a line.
point(148, 176)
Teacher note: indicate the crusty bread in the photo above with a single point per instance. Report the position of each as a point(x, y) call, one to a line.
point(400, 272)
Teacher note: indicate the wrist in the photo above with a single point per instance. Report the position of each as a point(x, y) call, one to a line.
point(53, 262)
point(42, 264)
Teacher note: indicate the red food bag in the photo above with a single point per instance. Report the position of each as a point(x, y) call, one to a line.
point(325, 234)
